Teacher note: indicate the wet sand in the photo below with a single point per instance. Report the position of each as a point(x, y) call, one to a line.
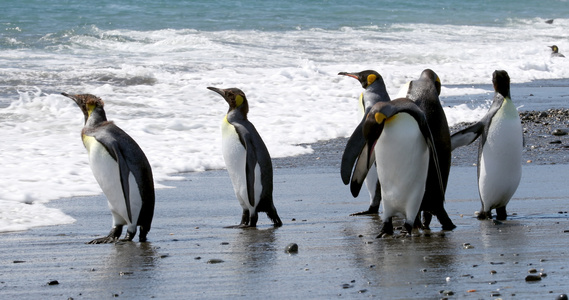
point(190, 255)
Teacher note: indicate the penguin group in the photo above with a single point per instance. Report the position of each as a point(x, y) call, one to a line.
point(401, 149)
point(408, 143)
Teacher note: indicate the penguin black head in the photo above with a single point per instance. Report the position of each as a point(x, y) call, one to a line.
point(234, 97)
point(88, 103)
point(366, 78)
point(429, 74)
point(554, 48)
point(501, 82)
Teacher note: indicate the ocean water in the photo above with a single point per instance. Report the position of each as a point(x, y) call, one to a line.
point(151, 61)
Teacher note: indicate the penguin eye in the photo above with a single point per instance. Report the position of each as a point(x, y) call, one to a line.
point(371, 79)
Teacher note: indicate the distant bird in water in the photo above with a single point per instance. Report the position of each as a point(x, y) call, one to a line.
point(555, 52)
point(121, 169)
point(247, 159)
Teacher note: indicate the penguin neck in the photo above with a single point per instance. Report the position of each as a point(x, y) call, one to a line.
point(96, 117)
point(236, 114)
point(375, 93)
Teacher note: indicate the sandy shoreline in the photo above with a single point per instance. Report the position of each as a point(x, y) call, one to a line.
point(338, 255)
point(190, 254)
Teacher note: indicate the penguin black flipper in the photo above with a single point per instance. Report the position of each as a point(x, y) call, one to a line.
point(466, 136)
point(469, 134)
point(354, 147)
point(364, 161)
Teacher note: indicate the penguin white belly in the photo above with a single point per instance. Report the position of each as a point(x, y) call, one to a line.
point(501, 158)
point(106, 172)
point(402, 158)
point(235, 157)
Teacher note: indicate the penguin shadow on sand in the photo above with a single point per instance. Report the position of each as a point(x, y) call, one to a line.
point(407, 140)
point(247, 160)
point(256, 250)
point(124, 262)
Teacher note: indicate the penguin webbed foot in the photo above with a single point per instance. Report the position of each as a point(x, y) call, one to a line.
point(372, 210)
point(128, 237)
point(386, 230)
point(241, 226)
point(103, 240)
point(484, 215)
point(112, 237)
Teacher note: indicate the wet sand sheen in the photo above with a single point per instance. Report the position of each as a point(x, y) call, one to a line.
point(190, 255)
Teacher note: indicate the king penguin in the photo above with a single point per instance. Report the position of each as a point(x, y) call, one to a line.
point(374, 92)
point(400, 142)
point(555, 51)
point(121, 169)
point(247, 160)
point(499, 150)
point(425, 93)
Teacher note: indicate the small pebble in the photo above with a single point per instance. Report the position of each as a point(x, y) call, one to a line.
point(224, 243)
point(559, 132)
point(197, 258)
point(542, 274)
point(555, 142)
point(53, 282)
point(533, 278)
point(532, 271)
point(562, 297)
point(447, 292)
point(362, 291)
point(493, 272)
point(347, 286)
point(215, 261)
point(291, 248)
point(471, 291)
point(494, 294)
point(423, 270)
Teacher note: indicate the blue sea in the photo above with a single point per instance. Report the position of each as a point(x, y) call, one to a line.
point(151, 61)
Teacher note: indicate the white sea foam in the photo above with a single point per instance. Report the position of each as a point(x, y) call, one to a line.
point(154, 86)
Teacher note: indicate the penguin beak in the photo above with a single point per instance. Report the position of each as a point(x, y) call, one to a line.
point(353, 75)
point(72, 97)
point(219, 91)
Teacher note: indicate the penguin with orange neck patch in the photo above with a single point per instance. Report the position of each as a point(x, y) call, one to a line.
point(121, 169)
point(247, 160)
point(374, 92)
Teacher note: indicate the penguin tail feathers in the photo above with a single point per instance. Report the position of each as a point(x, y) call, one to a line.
point(269, 208)
point(275, 218)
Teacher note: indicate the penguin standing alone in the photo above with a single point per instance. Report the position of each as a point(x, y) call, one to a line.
point(374, 92)
point(500, 149)
point(425, 93)
point(247, 159)
point(121, 169)
point(398, 134)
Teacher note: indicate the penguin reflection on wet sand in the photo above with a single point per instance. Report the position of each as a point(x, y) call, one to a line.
point(499, 152)
point(425, 93)
point(399, 141)
point(247, 160)
point(555, 52)
point(121, 169)
point(374, 92)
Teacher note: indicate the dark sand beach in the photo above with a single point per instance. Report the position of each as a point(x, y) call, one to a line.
point(191, 256)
